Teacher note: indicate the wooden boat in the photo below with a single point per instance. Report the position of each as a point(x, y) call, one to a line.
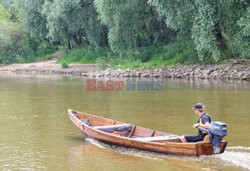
point(138, 137)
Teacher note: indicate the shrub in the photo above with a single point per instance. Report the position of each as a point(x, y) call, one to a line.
point(64, 65)
point(12, 40)
point(17, 47)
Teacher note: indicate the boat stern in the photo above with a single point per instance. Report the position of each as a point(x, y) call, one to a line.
point(208, 148)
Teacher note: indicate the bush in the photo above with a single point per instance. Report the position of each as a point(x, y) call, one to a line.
point(103, 62)
point(64, 64)
point(12, 41)
point(17, 47)
point(40, 51)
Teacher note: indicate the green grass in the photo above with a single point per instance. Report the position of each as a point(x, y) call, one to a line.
point(172, 54)
point(85, 55)
point(176, 53)
point(125, 62)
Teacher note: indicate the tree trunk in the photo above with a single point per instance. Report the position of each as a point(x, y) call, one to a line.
point(219, 38)
point(76, 41)
point(69, 46)
point(80, 39)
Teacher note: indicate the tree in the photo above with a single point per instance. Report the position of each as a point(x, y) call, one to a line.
point(208, 21)
point(12, 42)
point(206, 30)
point(12, 37)
point(33, 19)
point(75, 19)
point(241, 38)
point(9, 11)
point(131, 24)
point(177, 14)
point(4, 13)
point(236, 26)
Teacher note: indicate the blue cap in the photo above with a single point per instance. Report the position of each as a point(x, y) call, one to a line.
point(198, 106)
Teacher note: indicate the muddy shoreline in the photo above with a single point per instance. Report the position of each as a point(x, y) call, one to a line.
point(231, 70)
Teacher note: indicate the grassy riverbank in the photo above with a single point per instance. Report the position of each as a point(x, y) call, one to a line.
point(129, 67)
point(178, 53)
point(175, 53)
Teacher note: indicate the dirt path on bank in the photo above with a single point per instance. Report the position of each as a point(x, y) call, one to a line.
point(47, 67)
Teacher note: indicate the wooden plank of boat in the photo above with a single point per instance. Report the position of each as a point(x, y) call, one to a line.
point(159, 138)
point(138, 137)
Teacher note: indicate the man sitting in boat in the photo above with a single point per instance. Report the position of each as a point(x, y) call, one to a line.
point(203, 122)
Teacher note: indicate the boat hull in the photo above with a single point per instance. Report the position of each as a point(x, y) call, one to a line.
point(194, 149)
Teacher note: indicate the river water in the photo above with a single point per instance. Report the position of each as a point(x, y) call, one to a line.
point(36, 133)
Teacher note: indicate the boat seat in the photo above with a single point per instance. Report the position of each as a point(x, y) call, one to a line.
point(112, 128)
point(158, 138)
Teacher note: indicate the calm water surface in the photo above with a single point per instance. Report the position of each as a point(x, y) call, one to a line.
point(36, 133)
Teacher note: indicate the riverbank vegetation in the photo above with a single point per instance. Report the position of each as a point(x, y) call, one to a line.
point(128, 34)
point(16, 44)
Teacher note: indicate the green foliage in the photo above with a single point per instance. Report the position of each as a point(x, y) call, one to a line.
point(115, 62)
point(64, 64)
point(12, 41)
point(153, 56)
point(203, 27)
point(172, 54)
point(177, 14)
point(16, 45)
point(104, 56)
point(125, 32)
point(208, 21)
point(33, 19)
point(73, 19)
point(241, 40)
point(85, 55)
point(5, 14)
point(8, 11)
point(132, 24)
point(42, 51)
point(129, 62)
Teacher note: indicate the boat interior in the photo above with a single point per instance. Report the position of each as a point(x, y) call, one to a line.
point(126, 130)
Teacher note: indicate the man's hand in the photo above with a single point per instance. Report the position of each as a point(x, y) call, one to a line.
point(196, 125)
